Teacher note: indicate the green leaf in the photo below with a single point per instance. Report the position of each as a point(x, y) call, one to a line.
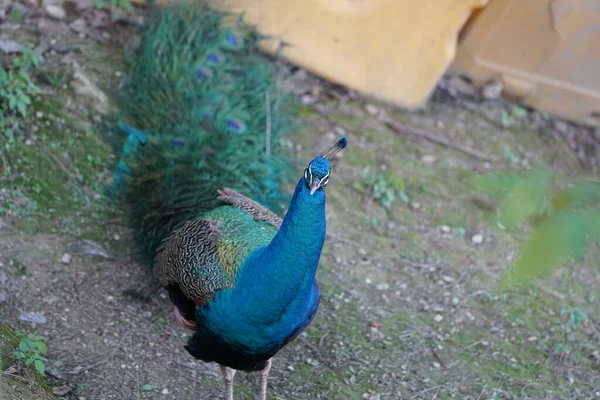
point(577, 195)
point(147, 387)
point(22, 109)
point(525, 198)
point(29, 361)
point(19, 354)
point(577, 317)
point(39, 367)
point(519, 112)
point(497, 184)
point(41, 347)
point(23, 346)
point(595, 226)
point(404, 197)
point(560, 238)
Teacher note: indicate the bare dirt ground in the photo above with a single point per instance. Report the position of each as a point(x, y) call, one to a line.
point(410, 303)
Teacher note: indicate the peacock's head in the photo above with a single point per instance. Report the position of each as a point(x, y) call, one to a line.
point(316, 175)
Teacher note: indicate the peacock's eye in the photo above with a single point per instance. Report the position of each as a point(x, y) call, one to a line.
point(325, 182)
point(306, 174)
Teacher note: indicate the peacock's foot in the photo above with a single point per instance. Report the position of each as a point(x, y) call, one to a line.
point(191, 325)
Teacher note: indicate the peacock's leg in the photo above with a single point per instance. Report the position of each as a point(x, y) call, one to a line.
point(228, 374)
point(264, 375)
point(191, 325)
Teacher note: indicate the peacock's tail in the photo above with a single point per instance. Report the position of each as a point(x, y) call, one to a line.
point(200, 110)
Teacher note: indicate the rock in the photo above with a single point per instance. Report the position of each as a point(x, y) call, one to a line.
point(47, 25)
point(438, 318)
point(561, 127)
point(477, 239)
point(375, 335)
point(492, 90)
point(428, 159)
point(9, 46)
point(66, 258)
point(34, 317)
point(457, 86)
point(445, 228)
point(455, 301)
point(3, 277)
point(61, 390)
point(81, 5)
point(55, 12)
point(78, 26)
point(371, 109)
point(26, 5)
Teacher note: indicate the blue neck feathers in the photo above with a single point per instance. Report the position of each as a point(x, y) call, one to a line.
point(278, 279)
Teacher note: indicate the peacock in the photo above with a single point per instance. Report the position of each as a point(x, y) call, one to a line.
point(201, 168)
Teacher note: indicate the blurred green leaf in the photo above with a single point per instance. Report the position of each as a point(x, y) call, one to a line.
point(41, 346)
point(497, 184)
point(519, 112)
point(39, 367)
point(595, 226)
point(526, 198)
point(560, 238)
point(577, 195)
point(23, 346)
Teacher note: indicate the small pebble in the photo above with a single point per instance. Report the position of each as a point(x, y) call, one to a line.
point(55, 12)
point(445, 228)
point(455, 300)
point(39, 114)
point(428, 159)
point(371, 109)
point(477, 239)
point(66, 258)
point(436, 365)
point(438, 318)
point(383, 286)
point(492, 90)
point(165, 391)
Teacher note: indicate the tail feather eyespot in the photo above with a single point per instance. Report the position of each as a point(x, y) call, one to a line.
point(236, 125)
point(215, 57)
point(204, 73)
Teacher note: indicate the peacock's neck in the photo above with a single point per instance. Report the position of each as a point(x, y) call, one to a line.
point(280, 276)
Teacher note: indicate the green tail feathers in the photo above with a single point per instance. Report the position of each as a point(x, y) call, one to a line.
point(199, 110)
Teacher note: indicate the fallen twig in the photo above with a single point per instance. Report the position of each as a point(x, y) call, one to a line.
point(438, 358)
point(403, 128)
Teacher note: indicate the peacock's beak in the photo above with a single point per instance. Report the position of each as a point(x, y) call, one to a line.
point(314, 186)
